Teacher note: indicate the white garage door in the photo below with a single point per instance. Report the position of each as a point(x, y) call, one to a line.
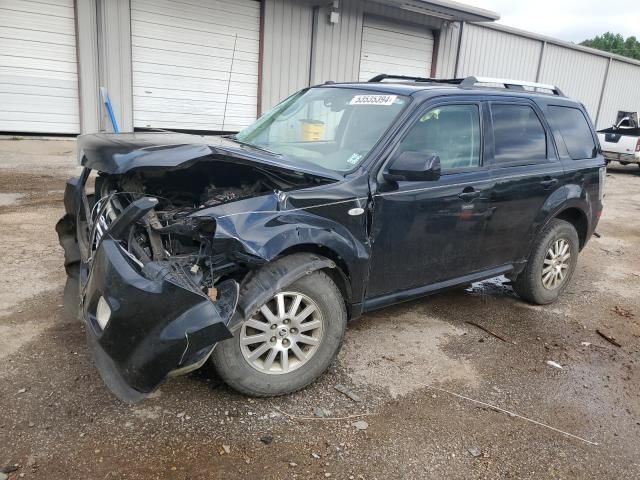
point(38, 68)
point(396, 49)
point(195, 63)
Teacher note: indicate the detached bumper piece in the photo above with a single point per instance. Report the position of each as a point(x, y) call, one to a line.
point(143, 324)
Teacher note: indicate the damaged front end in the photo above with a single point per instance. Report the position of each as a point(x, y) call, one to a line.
point(156, 292)
point(152, 242)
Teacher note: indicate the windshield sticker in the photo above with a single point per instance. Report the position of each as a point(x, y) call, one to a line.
point(373, 100)
point(353, 159)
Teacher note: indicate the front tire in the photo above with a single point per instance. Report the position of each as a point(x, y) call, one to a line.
point(551, 264)
point(288, 343)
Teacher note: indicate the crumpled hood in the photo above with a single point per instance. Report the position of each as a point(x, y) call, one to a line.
point(117, 153)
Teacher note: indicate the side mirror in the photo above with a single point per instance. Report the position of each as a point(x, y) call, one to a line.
point(413, 167)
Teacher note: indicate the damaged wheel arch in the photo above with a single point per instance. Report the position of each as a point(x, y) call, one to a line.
point(273, 277)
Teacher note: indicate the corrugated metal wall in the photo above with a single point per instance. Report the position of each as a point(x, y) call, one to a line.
point(88, 65)
point(300, 47)
point(286, 57)
point(447, 50)
point(294, 57)
point(336, 47)
point(114, 53)
point(578, 74)
point(289, 61)
point(493, 53)
point(622, 92)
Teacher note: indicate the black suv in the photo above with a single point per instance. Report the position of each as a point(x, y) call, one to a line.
point(252, 251)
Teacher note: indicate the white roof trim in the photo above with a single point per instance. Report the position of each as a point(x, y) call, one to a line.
point(444, 9)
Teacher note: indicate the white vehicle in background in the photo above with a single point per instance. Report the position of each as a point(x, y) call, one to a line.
point(621, 142)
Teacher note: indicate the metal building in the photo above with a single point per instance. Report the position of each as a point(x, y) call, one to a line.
point(214, 65)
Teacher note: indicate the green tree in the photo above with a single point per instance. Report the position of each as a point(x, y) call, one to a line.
point(615, 43)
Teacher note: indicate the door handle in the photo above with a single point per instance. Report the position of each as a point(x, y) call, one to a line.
point(469, 194)
point(548, 182)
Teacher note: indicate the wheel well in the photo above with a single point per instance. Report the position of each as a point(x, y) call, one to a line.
point(339, 275)
point(578, 219)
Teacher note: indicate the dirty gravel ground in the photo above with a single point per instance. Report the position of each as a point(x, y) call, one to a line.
point(57, 420)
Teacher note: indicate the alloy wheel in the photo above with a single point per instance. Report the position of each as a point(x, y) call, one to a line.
point(556, 264)
point(283, 335)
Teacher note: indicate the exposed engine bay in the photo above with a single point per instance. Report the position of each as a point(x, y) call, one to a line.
point(170, 238)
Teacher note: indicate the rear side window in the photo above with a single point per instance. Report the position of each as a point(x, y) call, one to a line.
point(574, 130)
point(519, 137)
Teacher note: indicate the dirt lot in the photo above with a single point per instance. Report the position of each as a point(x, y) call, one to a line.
point(419, 370)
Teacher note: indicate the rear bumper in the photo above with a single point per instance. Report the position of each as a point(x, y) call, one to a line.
point(155, 326)
point(622, 157)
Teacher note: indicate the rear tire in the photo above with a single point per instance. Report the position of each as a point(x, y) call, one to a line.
point(551, 264)
point(270, 374)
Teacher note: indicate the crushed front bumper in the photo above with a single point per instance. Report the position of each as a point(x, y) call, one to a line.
point(152, 326)
point(144, 322)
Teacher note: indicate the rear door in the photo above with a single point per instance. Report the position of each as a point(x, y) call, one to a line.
point(526, 173)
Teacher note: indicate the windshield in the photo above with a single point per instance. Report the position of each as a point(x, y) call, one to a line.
point(333, 128)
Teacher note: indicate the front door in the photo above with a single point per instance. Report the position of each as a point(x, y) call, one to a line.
point(431, 231)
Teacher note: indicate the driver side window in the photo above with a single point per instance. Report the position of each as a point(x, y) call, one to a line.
point(450, 131)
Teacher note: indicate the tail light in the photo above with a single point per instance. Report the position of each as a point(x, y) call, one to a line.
point(638, 145)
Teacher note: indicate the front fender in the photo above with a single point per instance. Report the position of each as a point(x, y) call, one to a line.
point(267, 235)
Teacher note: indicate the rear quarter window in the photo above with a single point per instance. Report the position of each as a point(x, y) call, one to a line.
point(574, 131)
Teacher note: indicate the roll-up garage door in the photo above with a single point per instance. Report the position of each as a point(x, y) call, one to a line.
point(395, 49)
point(195, 63)
point(38, 68)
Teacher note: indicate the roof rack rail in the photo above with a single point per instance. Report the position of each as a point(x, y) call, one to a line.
point(510, 84)
point(470, 82)
point(384, 76)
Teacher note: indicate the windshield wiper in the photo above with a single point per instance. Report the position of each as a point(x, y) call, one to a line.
point(251, 145)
